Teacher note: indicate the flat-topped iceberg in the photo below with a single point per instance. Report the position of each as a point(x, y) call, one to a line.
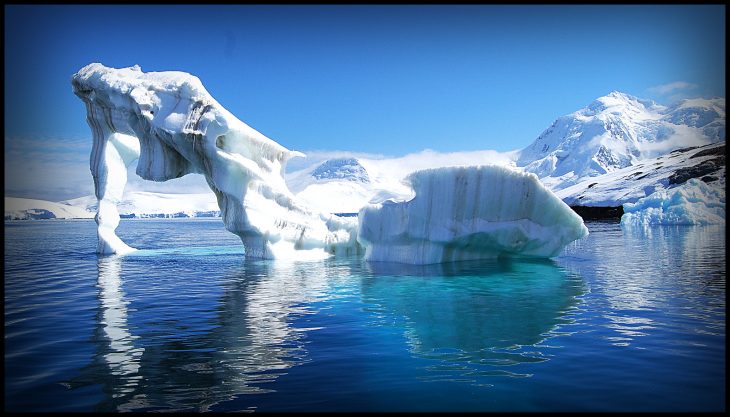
point(468, 213)
point(174, 127)
point(692, 203)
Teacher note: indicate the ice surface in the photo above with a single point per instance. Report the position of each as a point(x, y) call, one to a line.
point(466, 213)
point(692, 203)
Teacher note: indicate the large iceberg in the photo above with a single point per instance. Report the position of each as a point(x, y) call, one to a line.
point(692, 203)
point(468, 213)
point(174, 127)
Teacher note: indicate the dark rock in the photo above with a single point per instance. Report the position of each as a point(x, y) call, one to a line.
point(680, 150)
point(720, 150)
point(707, 167)
point(599, 213)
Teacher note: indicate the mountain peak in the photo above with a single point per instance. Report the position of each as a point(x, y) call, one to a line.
point(617, 101)
point(348, 169)
point(618, 130)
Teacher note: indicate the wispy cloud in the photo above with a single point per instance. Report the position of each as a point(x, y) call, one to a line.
point(671, 87)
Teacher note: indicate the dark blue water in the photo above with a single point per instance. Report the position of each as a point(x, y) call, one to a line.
point(621, 321)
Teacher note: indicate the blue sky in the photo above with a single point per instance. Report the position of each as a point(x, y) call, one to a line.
point(378, 79)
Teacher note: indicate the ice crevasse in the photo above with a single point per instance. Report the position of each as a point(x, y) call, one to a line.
point(174, 127)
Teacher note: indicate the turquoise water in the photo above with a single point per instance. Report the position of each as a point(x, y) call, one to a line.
point(621, 321)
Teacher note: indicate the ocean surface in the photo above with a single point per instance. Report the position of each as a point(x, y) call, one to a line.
point(623, 320)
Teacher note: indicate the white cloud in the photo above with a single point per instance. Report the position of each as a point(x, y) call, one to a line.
point(682, 137)
point(671, 87)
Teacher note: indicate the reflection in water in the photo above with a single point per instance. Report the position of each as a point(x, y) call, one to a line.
point(121, 356)
point(643, 270)
point(199, 356)
point(194, 328)
point(475, 318)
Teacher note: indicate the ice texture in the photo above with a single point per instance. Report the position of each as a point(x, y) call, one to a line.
point(692, 203)
point(468, 213)
point(174, 127)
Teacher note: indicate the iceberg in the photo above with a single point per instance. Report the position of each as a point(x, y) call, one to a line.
point(692, 203)
point(174, 127)
point(469, 213)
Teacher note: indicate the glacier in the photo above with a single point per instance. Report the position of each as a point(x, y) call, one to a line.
point(692, 203)
point(469, 213)
point(174, 127)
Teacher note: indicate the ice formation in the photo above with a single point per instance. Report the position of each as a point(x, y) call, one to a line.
point(467, 213)
point(692, 203)
point(172, 124)
point(174, 127)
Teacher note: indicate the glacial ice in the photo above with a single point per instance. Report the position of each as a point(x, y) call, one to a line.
point(468, 213)
point(174, 127)
point(692, 203)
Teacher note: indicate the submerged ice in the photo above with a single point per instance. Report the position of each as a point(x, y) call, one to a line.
point(174, 127)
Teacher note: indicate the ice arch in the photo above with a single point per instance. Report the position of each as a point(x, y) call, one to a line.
point(173, 125)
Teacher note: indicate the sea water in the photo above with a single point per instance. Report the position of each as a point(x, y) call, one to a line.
point(623, 320)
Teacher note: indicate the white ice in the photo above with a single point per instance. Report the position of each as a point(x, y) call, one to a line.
point(172, 124)
point(466, 213)
point(692, 203)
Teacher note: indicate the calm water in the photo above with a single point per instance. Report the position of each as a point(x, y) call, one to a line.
point(622, 320)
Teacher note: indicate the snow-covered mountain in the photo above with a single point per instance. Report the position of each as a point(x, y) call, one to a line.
point(617, 131)
point(627, 185)
point(31, 209)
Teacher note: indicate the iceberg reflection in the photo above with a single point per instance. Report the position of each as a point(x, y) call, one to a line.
point(121, 356)
point(186, 345)
point(475, 318)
